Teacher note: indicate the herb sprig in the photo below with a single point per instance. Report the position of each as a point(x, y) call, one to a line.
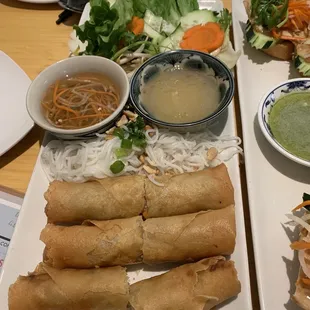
point(225, 19)
point(269, 13)
point(133, 134)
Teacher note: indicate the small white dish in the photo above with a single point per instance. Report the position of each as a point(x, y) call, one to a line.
point(267, 103)
point(69, 67)
point(15, 122)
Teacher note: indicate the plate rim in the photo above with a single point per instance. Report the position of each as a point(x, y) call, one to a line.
point(28, 124)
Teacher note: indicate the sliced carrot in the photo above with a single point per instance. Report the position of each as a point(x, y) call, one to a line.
point(205, 38)
point(275, 34)
point(136, 25)
point(292, 38)
point(305, 281)
point(58, 105)
point(299, 13)
point(303, 204)
point(300, 245)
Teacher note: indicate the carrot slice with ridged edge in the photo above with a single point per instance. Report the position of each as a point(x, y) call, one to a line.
point(205, 38)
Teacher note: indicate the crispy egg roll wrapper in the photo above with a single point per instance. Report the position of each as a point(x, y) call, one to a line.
point(70, 289)
point(189, 192)
point(104, 199)
point(197, 286)
point(93, 244)
point(189, 237)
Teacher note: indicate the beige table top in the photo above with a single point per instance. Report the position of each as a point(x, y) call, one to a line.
point(30, 36)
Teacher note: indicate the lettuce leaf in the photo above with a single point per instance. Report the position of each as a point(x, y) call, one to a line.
point(187, 6)
point(228, 55)
point(166, 9)
point(125, 11)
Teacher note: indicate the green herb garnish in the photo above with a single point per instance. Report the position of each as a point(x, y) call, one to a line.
point(117, 167)
point(126, 144)
point(306, 197)
point(119, 132)
point(269, 13)
point(134, 134)
point(225, 19)
point(122, 152)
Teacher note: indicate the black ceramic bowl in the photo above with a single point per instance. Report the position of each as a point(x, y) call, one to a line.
point(198, 61)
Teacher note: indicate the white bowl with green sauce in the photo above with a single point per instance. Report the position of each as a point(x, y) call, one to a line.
point(284, 118)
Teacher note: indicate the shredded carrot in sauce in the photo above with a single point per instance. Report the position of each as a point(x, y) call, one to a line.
point(205, 38)
point(80, 101)
point(303, 204)
point(300, 245)
point(136, 25)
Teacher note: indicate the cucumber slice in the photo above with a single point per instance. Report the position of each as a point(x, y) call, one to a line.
point(173, 42)
point(258, 40)
point(167, 28)
point(152, 20)
point(156, 36)
point(302, 66)
point(197, 18)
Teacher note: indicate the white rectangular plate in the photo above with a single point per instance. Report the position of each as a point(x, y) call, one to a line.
point(15, 122)
point(275, 184)
point(26, 249)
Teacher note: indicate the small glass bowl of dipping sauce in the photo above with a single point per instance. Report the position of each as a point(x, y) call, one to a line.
point(182, 90)
point(284, 119)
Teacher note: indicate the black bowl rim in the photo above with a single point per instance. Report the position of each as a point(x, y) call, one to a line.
point(191, 124)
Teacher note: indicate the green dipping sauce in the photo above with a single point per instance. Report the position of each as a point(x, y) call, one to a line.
point(289, 122)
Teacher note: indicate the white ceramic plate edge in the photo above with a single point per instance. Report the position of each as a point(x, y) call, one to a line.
point(275, 184)
point(28, 123)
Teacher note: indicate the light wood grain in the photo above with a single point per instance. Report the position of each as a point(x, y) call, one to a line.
point(30, 36)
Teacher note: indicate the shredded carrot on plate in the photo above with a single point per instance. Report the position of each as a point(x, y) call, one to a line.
point(300, 245)
point(205, 38)
point(303, 204)
point(299, 15)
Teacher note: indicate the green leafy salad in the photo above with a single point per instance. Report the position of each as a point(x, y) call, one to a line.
point(131, 31)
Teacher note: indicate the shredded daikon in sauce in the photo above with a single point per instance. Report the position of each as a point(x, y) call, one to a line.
point(166, 152)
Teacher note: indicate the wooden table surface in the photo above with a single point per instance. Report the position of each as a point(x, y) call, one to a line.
point(30, 36)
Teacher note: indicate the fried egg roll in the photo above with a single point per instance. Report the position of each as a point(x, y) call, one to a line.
point(104, 199)
point(128, 196)
point(93, 244)
point(189, 237)
point(189, 192)
point(70, 289)
point(197, 286)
